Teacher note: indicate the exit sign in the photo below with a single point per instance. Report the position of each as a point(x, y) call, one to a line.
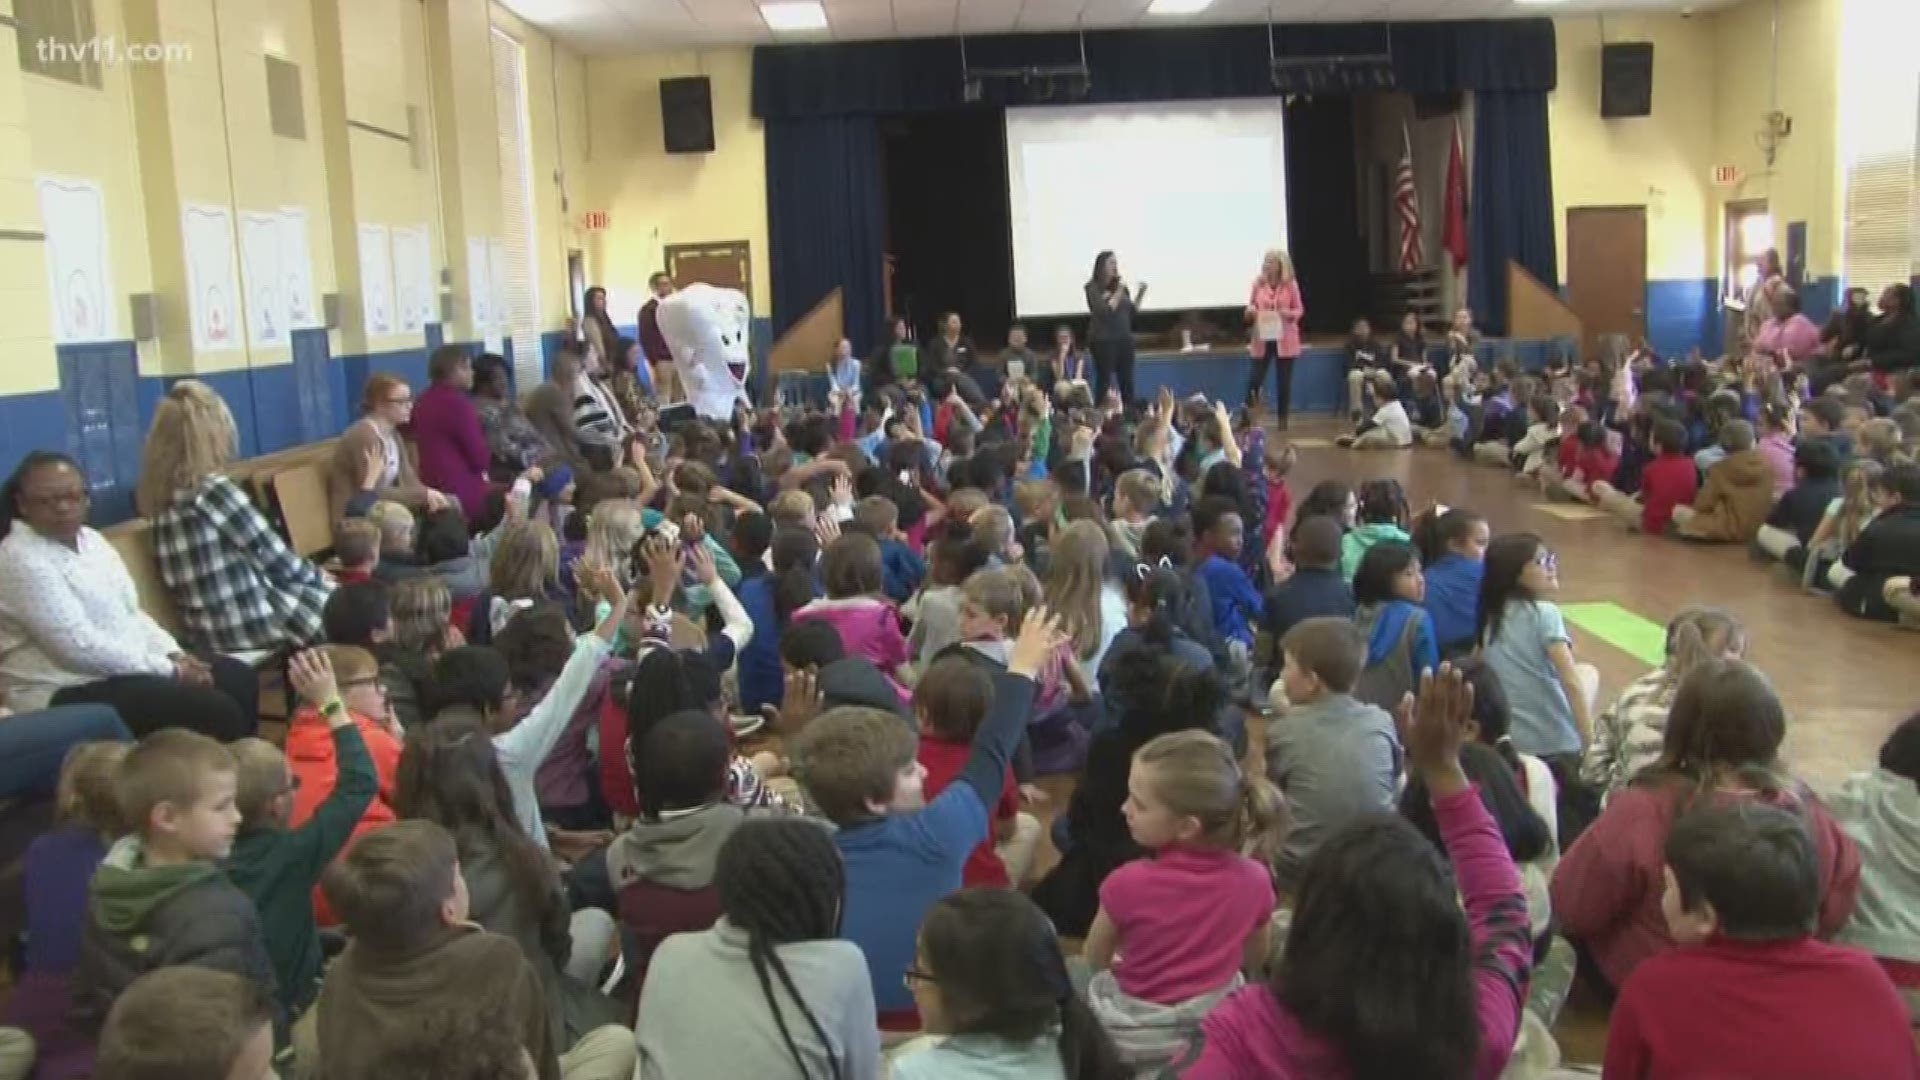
point(594, 219)
point(1726, 175)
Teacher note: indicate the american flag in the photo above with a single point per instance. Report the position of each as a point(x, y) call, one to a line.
point(1406, 200)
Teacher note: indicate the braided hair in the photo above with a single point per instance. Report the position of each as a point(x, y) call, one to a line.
point(781, 881)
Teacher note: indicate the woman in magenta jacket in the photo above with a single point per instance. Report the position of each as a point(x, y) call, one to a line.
point(451, 444)
point(1274, 311)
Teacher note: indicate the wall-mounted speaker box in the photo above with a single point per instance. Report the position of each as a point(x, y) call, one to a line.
point(330, 309)
point(143, 310)
point(446, 308)
point(686, 114)
point(1626, 79)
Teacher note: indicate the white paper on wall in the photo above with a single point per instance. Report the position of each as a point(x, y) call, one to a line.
point(412, 277)
point(213, 278)
point(296, 269)
point(479, 284)
point(376, 280)
point(75, 216)
point(268, 324)
point(497, 273)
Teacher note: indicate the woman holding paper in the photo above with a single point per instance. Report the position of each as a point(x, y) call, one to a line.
point(1110, 330)
point(1274, 311)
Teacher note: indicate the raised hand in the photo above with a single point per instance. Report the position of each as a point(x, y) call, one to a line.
point(1040, 637)
point(825, 530)
point(699, 562)
point(311, 673)
point(1437, 729)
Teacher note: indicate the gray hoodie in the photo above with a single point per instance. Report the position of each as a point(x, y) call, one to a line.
point(1881, 811)
point(1335, 759)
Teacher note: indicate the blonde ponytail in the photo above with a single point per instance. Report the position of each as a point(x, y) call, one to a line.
point(1196, 775)
point(1697, 635)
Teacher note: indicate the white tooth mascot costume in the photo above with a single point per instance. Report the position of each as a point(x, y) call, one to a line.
point(706, 328)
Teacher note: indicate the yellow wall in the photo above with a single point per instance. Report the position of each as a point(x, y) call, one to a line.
point(1802, 184)
point(656, 198)
point(1663, 162)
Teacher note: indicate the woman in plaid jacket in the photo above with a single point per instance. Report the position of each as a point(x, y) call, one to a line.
point(237, 585)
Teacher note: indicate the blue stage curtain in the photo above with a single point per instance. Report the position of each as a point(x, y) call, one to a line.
point(927, 74)
point(824, 211)
point(1511, 201)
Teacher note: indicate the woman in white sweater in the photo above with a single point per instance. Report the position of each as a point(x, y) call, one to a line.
point(799, 1001)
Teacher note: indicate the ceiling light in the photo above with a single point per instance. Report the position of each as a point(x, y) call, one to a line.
point(787, 18)
point(1177, 7)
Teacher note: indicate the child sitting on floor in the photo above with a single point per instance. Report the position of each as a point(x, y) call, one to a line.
point(356, 551)
point(1334, 757)
point(951, 702)
point(1388, 591)
point(1847, 515)
point(1733, 503)
point(1316, 586)
point(1668, 481)
point(851, 569)
point(1236, 603)
point(1384, 518)
point(776, 953)
point(1633, 728)
point(1878, 809)
point(160, 898)
point(415, 955)
point(59, 869)
point(1390, 428)
point(1174, 932)
point(188, 1021)
point(1594, 461)
point(277, 866)
point(1797, 516)
point(1749, 992)
point(1453, 554)
point(902, 852)
point(901, 571)
point(989, 977)
point(313, 756)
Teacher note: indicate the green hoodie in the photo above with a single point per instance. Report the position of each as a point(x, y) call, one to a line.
point(126, 890)
point(1354, 547)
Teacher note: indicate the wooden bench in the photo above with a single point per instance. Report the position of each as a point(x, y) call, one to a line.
point(133, 540)
point(300, 495)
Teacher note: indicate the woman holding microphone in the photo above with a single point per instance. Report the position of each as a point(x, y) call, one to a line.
point(1274, 311)
point(1110, 330)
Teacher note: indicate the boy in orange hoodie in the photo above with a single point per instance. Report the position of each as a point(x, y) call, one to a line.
point(311, 755)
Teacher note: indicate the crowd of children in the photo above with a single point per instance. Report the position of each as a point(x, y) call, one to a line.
point(528, 821)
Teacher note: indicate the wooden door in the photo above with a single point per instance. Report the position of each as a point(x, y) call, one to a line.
point(723, 264)
point(1607, 270)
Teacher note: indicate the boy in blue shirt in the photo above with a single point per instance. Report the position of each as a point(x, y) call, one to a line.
point(901, 570)
point(1236, 603)
point(859, 767)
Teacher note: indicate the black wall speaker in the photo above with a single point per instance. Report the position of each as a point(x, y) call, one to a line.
point(1626, 79)
point(686, 115)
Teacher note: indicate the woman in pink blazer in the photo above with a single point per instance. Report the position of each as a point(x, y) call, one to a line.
point(1274, 311)
point(447, 436)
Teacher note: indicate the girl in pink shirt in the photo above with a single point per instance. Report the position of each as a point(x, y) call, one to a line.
point(855, 606)
point(1384, 974)
point(1174, 931)
point(1274, 311)
point(1776, 445)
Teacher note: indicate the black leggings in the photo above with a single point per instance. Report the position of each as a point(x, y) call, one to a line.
point(1112, 365)
point(228, 710)
point(1269, 356)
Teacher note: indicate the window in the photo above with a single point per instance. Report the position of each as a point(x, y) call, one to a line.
point(516, 208)
point(56, 39)
point(1879, 146)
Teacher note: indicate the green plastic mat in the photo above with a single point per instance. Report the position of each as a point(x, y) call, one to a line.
point(1635, 635)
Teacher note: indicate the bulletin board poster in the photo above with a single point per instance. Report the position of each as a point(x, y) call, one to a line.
point(479, 284)
point(213, 278)
point(412, 276)
point(376, 280)
point(269, 325)
point(74, 213)
point(497, 274)
point(296, 268)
